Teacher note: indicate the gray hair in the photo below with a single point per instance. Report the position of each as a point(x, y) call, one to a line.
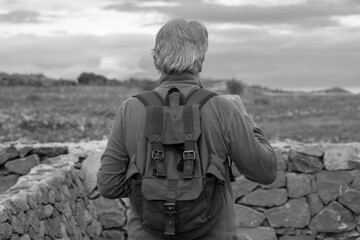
point(180, 46)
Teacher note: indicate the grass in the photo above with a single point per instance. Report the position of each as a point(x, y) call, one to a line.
point(75, 113)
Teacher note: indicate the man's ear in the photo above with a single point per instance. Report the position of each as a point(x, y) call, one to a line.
point(154, 58)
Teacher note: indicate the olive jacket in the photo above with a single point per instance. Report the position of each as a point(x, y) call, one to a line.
point(226, 131)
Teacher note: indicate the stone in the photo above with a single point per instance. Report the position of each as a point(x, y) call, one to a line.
point(48, 210)
point(34, 221)
point(23, 165)
point(126, 202)
point(20, 223)
point(51, 194)
point(265, 198)
point(259, 233)
point(342, 156)
point(111, 213)
point(40, 212)
point(7, 154)
point(113, 235)
point(45, 193)
point(60, 207)
point(94, 229)
point(248, 217)
point(279, 182)
point(85, 237)
point(53, 228)
point(334, 218)
point(315, 149)
point(24, 151)
point(62, 160)
point(297, 237)
point(20, 202)
point(8, 181)
point(242, 186)
point(298, 185)
point(80, 215)
point(3, 171)
point(15, 237)
point(356, 182)
point(3, 215)
point(294, 214)
point(329, 184)
point(88, 217)
point(50, 151)
point(67, 209)
point(65, 193)
point(25, 237)
point(32, 233)
point(350, 198)
point(92, 208)
point(282, 158)
point(315, 203)
point(299, 162)
point(5, 230)
point(41, 232)
point(90, 168)
point(63, 232)
point(70, 226)
point(35, 198)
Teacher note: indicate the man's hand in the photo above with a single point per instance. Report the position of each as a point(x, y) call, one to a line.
point(238, 103)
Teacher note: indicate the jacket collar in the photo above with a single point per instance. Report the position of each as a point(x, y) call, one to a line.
point(181, 78)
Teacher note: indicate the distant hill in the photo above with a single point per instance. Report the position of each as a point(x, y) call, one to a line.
point(334, 90)
point(36, 80)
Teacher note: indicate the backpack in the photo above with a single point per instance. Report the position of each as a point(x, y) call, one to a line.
point(176, 191)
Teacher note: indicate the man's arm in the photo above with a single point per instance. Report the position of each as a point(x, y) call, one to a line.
point(114, 161)
point(249, 149)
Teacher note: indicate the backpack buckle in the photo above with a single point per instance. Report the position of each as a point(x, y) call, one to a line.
point(157, 155)
point(189, 155)
point(170, 208)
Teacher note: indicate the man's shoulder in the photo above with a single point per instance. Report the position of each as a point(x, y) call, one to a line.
point(222, 101)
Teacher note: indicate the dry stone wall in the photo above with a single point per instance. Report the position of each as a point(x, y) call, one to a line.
point(52, 200)
point(316, 196)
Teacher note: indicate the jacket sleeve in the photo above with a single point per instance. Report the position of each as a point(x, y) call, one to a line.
point(114, 161)
point(250, 150)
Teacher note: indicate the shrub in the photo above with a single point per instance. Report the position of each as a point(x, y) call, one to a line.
point(234, 86)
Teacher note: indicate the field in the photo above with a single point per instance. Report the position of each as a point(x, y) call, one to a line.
point(80, 113)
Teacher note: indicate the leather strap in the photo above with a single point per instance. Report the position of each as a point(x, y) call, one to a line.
point(170, 208)
point(189, 144)
point(157, 147)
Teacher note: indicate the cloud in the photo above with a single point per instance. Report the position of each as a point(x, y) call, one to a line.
point(300, 59)
point(292, 44)
point(306, 14)
point(115, 55)
point(20, 16)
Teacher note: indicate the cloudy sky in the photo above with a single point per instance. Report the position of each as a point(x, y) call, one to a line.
point(281, 44)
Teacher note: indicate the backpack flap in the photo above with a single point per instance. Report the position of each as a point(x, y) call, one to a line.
point(170, 119)
point(157, 189)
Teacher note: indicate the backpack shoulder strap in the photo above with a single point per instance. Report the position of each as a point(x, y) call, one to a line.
point(199, 96)
point(150, 98)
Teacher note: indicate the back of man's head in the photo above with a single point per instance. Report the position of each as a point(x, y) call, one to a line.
point(180, 46)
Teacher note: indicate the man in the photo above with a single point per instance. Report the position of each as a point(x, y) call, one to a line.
point(227, 129)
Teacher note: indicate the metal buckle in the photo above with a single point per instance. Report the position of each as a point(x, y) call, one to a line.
point(157, 154)
point(189, 155)
point(170, 208)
